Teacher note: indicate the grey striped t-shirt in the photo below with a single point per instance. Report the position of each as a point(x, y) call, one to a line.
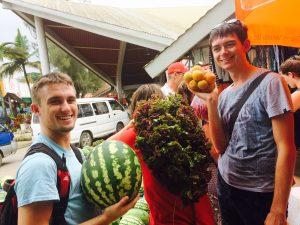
point(249, 160)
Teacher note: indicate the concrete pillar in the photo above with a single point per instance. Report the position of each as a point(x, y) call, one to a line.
point(41, 39)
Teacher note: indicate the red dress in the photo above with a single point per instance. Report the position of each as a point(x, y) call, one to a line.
point(165, 207)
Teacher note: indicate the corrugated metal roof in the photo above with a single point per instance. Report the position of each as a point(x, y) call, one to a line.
point(164, 22)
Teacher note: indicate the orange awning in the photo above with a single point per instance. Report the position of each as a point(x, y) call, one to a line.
point(271, 22)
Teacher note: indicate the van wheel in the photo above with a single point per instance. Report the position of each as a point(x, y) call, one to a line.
point(85, 139)
point(119, 127)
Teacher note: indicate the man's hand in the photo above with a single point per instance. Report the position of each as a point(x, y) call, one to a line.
point(275, 219)
point(117, 210)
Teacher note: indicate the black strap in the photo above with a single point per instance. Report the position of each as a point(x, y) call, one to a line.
point(255, 83)
point(77, 153)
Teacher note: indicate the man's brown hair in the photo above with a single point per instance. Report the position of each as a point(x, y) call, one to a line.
point(50, 78)
point(225, 28)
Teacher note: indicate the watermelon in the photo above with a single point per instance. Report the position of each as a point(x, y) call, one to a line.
point(86, 150)
point(111, 171)
point(142, 204)
point(137, 215)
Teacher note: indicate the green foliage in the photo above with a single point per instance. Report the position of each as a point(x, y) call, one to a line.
point(17, 56)
point(173, 146)
point(85, 81)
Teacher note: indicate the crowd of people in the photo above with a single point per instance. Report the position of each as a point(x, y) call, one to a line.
point(254, 155)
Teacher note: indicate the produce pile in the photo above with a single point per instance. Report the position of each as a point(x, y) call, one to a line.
point(200, 79)
point(173, 146)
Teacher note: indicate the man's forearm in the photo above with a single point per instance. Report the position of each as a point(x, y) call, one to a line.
point(283, 179)
point(219, 137)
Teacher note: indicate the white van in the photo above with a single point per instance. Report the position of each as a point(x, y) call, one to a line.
point(97, 117)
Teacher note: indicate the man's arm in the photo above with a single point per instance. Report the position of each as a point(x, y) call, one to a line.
point(283, 131)
point(38, 213)
point(113, 212)
point(219, 136)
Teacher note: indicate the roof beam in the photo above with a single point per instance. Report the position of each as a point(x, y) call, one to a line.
point(70, 50)
point(190, 38)
point(120, 68)
point(112, 31)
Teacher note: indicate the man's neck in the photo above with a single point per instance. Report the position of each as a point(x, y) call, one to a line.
point(241, 74)
point(62, 139)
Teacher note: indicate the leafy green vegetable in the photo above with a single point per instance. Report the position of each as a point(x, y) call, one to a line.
point(173, 146)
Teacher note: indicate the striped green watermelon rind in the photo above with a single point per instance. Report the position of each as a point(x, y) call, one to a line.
point(131, 220)
point(142, 204)
point(138, 213)
point(111, 172)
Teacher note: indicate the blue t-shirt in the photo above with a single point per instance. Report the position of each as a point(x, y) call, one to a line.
point(250, 158)
point(36, 181)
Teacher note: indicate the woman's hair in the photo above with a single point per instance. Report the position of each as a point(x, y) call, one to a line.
point(225, 28)
point(292, 65)
point(183, 90)
point(144, 92)
point(50, 78)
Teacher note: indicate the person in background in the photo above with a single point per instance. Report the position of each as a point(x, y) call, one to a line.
point(291, 71)
point(165, 207)
point(175, 74)
point(54, 102)
point(256, 162)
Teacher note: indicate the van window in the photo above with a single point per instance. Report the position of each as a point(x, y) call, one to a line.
point(84, 110)
point(116, 105)
point(100, 108)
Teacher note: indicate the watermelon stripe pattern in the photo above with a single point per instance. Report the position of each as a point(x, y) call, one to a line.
point(111, 171)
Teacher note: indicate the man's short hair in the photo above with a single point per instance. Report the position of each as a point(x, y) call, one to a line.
point(50, 78)
point(292, 65)
point(225, 28)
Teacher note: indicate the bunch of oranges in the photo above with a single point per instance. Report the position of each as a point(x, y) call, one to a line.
point(200, 80)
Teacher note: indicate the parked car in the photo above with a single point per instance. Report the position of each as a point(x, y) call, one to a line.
point(97, 117)
point(7, 145)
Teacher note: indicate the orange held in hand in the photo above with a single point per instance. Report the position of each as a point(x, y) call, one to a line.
point(200, 80)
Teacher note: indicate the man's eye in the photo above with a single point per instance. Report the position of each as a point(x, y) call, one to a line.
point(216, 49)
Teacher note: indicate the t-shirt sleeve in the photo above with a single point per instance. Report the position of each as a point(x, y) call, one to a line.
point(277, 99)
point(36, 180)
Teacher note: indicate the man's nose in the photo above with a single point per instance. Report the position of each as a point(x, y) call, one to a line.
point(65, 106)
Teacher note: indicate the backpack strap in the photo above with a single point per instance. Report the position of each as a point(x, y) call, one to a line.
point(255, 83)
point(63, 179)
point(77, 153)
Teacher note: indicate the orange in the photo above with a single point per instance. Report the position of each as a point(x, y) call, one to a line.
point(210, 77)
point(188, 76)
point(193, 85)
point(202, 84)
point(196, 67)
point(198, 75)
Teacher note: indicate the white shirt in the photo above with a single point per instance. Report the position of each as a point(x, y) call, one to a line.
point(166, 90)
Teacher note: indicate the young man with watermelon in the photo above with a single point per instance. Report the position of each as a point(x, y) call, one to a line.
point(257, 151)
point(54, 101)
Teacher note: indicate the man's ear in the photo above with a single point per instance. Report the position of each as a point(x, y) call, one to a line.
point(35, 108)
point(247, 45)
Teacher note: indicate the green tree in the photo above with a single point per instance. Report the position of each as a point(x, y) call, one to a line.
point(84, 80)
point(17, 57)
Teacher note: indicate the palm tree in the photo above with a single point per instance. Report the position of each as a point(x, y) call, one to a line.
point(17, 58)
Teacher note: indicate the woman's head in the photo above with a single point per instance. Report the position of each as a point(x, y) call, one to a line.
point(291, 69)
point(185, 92)
point(144, 92)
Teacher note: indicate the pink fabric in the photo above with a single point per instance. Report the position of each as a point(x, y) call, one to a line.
point(166, 208)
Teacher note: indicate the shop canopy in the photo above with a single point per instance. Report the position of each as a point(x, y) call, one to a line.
point(271, 22)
